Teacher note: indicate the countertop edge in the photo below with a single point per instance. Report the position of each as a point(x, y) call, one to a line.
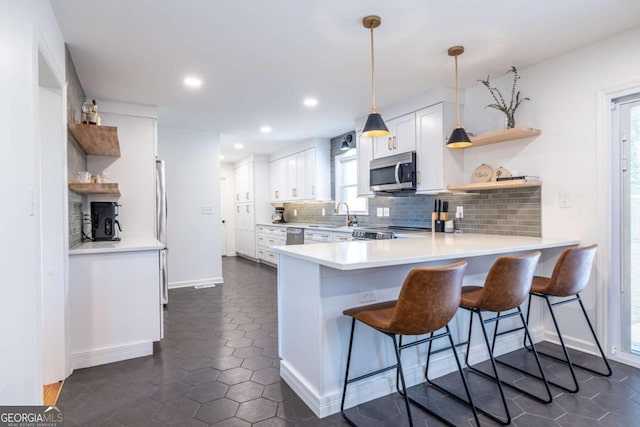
point(553, 243)
point(134, 244)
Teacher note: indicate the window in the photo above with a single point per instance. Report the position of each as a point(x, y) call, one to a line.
point(347, 184)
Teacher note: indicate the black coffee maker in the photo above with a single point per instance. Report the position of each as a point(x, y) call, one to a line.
point(104, 222)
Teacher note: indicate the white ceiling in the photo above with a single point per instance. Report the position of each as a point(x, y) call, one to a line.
point(259, 58)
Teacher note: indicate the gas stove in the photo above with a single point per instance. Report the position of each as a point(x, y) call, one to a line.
point(385, 233)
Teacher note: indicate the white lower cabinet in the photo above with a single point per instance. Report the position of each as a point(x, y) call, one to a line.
point(245, 230)
point(342, 236)
point(268, 236)
point(317, 236)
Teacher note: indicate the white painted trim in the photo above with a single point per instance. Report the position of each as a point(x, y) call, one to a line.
point(191, 283)
point(101, 356)
point(607, 305)
point(384, 384)
point(573, 343)
point(126, 109)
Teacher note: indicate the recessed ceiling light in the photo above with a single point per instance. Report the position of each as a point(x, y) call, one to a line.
point(193, 82)
point(310, 102)
point(237, 146)
point(265, 129)
point(221, 157)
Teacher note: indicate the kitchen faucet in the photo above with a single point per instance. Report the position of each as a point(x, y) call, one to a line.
point(348, 219)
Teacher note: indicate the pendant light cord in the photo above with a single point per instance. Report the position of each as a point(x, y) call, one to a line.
point(458, 125)
point(373, 76)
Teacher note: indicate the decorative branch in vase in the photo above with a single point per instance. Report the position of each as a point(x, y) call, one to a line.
point(508, 109)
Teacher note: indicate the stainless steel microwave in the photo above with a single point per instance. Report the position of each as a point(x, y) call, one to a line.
point(393, 174)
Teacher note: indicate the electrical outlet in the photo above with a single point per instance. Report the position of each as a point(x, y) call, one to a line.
point(324, 212)
point(379, 211)
point(386, 212)
point(295, 212)
point(206, 209)
point(564, 200)
point(367, 295)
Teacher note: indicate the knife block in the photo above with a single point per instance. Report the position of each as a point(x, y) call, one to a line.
point(438, 220)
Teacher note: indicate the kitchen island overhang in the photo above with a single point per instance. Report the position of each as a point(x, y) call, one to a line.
point(317, 282)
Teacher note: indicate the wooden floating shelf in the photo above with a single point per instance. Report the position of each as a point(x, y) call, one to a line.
point(493, 185)
point(97, 140)
point(107, 189)
point(504, 135)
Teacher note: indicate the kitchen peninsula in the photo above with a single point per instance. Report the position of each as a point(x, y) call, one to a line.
point(115, 308)
point(317, 282)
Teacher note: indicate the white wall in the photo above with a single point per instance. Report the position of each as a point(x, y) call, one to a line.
point(135, 170)
point(193, 180)
point(23, 26)
point(563, 105)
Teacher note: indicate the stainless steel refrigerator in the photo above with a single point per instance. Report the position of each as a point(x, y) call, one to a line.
point(161, 228)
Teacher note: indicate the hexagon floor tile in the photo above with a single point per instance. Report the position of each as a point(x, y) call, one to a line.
point(218, 366)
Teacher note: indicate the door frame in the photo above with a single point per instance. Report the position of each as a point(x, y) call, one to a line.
point(608, 227)
point(62, 370)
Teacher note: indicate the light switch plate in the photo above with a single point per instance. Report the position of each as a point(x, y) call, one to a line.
point(386, 212)
point(295, 212)
point(379, 212)
point(206, 209)
point(324, 212)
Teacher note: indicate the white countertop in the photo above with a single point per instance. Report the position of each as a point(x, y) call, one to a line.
point(319, 227)
point(127, 244)
point(437, 246)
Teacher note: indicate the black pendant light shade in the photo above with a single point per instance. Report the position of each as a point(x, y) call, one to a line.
point(459, 139)
point(374, 126)
point(346, 142)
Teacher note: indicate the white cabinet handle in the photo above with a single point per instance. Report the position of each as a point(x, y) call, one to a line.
point(418, 177)
point(389, 144)
point(237, 196)
point(395, 143)
point(247, 208)
point(313, 190)
point(294, 191)
point(247, 195)
point(277, 195)
point(237, 209)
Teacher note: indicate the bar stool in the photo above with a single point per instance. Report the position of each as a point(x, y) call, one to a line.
point(570, 276)
point(428, 300)
point(505, 289)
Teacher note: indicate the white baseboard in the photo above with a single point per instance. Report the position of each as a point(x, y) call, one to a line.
point(101, 356)
point(384, 384)
point(574, 343)
point(191, 283)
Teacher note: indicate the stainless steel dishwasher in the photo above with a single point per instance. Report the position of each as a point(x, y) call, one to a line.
point(295, 236)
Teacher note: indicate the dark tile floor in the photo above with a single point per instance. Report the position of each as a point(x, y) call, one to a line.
point(218, 365)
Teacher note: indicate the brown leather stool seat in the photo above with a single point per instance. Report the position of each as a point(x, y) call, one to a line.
point(570, 276)
point(505, 288)
point(428, 300)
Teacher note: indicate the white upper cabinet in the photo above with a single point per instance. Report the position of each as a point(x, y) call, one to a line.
point(437, 166)
point(365, 155)
point(304, 175)
point(401, 138)
point(278, 180)
point(295, 177)
point(244, 183)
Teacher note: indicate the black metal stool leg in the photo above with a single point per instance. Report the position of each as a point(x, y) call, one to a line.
point(404, 385)
point(346, 375)
point(593, 332)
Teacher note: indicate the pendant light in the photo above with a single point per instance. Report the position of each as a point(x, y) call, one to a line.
point(374, 126)
point(459, 137)
point(346, 142)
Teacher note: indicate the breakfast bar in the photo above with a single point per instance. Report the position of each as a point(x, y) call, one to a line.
point(317, 282)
